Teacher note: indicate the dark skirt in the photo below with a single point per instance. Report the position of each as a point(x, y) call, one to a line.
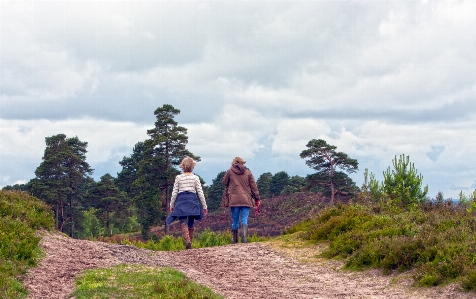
point(186, 205)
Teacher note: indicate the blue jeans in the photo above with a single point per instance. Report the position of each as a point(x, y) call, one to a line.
point(235, 216)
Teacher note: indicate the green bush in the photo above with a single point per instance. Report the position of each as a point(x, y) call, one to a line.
point(207, 238)
point(20, 216)
point(439, 242)
point(338, 221)
point(26, 208)
point(167, 243)
point(303, 226)
point(430, 279)
point(469, 282)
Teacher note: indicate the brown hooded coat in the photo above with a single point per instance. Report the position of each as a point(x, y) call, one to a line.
point(241, 186)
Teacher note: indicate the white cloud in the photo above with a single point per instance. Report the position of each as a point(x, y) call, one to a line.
point(257, 79)
point(374, 144)
point(293, 135)
point(23, 142)
point(237, 132)
point(34, 69)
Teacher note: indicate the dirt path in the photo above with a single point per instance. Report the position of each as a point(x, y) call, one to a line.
point(254, 270)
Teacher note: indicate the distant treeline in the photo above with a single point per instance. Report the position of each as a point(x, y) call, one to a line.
point(136, 199)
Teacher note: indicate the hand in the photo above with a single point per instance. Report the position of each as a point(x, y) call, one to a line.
point(258, 208)
point(205, 212)
point(171, 209)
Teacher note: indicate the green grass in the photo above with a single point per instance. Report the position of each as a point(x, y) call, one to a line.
point(20, 216)
point(438, 242)
point(137, 281)
point(206, 238)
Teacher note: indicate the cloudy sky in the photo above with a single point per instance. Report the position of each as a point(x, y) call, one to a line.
point(257, 79)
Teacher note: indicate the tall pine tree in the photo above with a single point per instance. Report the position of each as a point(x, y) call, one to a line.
point(149, 173)
point(168, 141)
point(59, 178)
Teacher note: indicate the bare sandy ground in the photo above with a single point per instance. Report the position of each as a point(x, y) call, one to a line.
point(253, 270)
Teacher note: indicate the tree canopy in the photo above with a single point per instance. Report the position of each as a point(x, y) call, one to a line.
point(112, 204)
point(148, 174)
point(215, 192)
point(264, 182)
point(324, 158)
point(60, 176)
point(278, 182)
point(403, 184)
point(168, 143)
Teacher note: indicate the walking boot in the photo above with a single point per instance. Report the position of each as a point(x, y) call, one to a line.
point(244, 233)
point(186, 236)
point(190, 234)
point(235, 236)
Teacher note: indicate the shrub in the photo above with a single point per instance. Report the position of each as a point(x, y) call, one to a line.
point(343, 219)
point(430, 279)
point(438, 241)
point(207, 238)
point(20, 216)
point(403, 184)
point(469, 282)
point(167, 243)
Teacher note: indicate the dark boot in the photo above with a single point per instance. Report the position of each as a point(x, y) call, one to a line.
point(235, 236)
point(244, 233)
point(190, 234)
point(186, 236)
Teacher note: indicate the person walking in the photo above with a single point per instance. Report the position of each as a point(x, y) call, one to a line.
point(184, 203)
point(243, 194)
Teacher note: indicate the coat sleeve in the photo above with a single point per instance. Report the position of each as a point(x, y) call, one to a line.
point(254, 187)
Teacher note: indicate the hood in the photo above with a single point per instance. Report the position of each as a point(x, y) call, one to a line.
point(238, 168)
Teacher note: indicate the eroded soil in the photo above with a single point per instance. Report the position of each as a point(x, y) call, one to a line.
point(253, 270)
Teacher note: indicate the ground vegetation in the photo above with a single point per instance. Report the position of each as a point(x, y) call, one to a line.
point(21, 215)
point(435, 241)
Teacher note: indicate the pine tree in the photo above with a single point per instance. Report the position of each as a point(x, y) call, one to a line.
point(403, 184)
point(264, 182)
point(278, 182)
point(112, 206)
point(60, 176)
point(323, 158)
point(215, 192)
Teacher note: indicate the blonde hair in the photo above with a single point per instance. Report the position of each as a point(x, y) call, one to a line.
point(238, 160)
point(187, 164)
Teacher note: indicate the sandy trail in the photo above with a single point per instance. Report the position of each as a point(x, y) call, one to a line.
point(253, 270)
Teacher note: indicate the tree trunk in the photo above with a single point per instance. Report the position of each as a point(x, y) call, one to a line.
point(332, 193)
point(167, 209)
point(57, 216)
point(107, 220)
point(167, 198)
point(71, 213)
point(62, 216)
point(332, 183)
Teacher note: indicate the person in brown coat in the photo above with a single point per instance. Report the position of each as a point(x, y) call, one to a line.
point(243, 194)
